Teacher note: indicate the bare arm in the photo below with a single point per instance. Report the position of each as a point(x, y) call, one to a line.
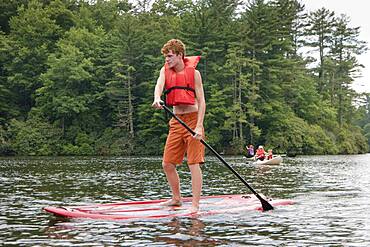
point(201, 104)
point(159, 90)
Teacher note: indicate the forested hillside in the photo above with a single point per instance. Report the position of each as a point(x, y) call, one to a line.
point(77, 77)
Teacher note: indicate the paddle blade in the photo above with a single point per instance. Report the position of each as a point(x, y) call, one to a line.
point(265, 205)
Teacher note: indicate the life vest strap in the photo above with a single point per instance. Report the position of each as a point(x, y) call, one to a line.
point(167, 91)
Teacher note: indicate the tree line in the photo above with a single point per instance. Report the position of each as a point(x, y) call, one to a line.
point(77, 76)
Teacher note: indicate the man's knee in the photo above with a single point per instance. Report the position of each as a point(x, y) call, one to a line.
point(194, 166)
point(168, 167)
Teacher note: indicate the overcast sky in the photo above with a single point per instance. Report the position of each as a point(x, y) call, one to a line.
point(359, 15)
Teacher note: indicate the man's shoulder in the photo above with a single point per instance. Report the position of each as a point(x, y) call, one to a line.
point(197, 73)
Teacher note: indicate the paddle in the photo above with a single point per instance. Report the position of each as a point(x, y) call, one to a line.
point(265, 205)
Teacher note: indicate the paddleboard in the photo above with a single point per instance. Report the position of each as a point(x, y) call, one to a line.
point(219, 204)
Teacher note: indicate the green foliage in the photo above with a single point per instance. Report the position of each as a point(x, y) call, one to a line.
point(115, 142)
point(33, 34)
point(64, 84)
point(35, 137)
point(8, 105)
point(367, 133)
point(291, 134)
point(8, 9)
point(352, 141)
point(70, 149)
point(216, 131)
point(77, 77)
point(5, 145)
point(82, 145)
point(154, 129)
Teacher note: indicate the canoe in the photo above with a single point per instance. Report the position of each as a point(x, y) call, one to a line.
point(249, 159)
point(152, 209)
point(274, 161)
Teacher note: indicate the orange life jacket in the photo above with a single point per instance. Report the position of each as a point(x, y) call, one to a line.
point(180, 87)
point(260, 152)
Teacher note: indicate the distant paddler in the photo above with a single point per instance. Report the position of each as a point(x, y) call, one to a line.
point(250, 151)
point(260, 153)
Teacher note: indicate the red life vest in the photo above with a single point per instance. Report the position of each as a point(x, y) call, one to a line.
point(260, 153)
point(180, 87)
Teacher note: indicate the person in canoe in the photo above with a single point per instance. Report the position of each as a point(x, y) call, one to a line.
point(184, 91)
point(250, 151)
point(269, 154)
point(260, 153)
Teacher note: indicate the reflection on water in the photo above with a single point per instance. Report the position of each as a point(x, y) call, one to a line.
point(176, 231)
point(186, 232)
point(331, 192)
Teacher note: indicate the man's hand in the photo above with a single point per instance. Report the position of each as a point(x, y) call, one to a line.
point(157, 104)
point(198, 133)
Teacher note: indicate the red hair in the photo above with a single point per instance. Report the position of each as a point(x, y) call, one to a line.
point(174, 45)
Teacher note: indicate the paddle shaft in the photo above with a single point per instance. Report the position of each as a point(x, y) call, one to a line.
point(265, 205)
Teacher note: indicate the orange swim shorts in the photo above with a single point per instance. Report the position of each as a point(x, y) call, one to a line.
point(180, 142)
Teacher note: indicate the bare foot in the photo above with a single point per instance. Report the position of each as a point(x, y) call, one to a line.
point(194, 209)
point(172, 202)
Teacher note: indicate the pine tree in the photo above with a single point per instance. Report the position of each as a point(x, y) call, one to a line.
point(345, 46)
point(321, 31)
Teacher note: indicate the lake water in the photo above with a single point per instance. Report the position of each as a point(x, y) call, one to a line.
point(332, 195)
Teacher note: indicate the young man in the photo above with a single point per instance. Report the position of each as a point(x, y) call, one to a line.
point(184, 91)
